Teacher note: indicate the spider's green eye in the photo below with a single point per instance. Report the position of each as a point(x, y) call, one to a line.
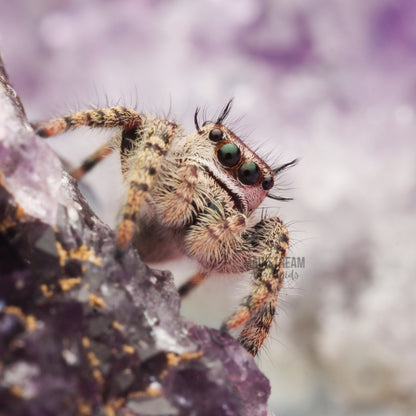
point(215, 135)
point(229, 154)
point(267, 183)
point(249, 173)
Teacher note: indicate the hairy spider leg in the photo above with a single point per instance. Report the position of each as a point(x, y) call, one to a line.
point(257, 310)
point(192, 283)
point(92, 160)
point(154, 145)
point(111, 117)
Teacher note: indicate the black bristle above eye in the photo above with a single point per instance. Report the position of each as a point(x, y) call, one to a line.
point(196, 122)
point(225, 112)
point(285, 166)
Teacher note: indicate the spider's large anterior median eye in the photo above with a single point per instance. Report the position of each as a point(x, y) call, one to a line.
point(229, 154)
point(215, 135)
point(249, 173)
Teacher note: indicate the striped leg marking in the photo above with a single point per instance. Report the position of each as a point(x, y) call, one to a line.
point(103, 118)
point(91, 161)
point(257, 311)
point(142, 177)
point(192, 283)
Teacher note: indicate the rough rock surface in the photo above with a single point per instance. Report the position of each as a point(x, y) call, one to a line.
point(84, 333)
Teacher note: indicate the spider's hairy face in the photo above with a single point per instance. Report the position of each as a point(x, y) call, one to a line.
point(235, 168)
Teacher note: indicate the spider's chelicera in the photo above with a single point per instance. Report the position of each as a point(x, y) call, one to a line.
point(195, 195)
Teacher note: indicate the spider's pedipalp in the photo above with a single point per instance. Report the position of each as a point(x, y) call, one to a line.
point(216, 240)
point(176, 208)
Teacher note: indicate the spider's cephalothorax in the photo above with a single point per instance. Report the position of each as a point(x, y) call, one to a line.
point(196, 195)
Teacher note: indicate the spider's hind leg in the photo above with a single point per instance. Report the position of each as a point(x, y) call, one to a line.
point(91, 161)
point(192, 283)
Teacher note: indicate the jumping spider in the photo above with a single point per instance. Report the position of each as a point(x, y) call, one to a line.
point(195, 195)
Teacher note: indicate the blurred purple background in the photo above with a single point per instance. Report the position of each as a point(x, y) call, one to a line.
point(330, 82)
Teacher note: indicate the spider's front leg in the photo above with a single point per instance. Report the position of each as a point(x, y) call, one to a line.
point(147, 137)
point(141, 176)
point(114, 117)
point(269, 241)
point(123, 117)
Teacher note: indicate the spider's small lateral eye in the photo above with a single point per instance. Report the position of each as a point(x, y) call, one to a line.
point(229, 154)
point(249, 173)
point(215, 135)
point(267, 183)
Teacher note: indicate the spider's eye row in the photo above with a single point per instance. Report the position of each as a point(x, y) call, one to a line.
point(249, 173)
point(216, 135)
point(228, 154)
point(267, 182)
